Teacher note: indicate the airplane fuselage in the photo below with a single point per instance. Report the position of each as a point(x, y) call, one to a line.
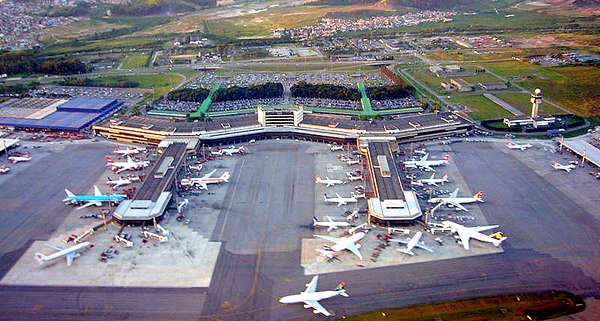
point(314, 296)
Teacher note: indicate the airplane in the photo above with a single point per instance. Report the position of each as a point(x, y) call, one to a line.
point(97, 199)
point(330, 224)
point(195, 167)
point(339, 200)
point(182, 205)
point(203, 181)
point(425, 164)
point(522, 147)
point(412, 243)
point(353, 178)
point(130, 164)
point(230, 151)
point(4, 169)
point(114, 183)
point(431, 181)
point(69, 253)
point(310, 297)
point(335, 148)
point(454, 201)
point(567, 168)
point(467, 233)
point(328, 182)
point(129, 151)
point(16, 159)
point(353, 162)
point(341, 244)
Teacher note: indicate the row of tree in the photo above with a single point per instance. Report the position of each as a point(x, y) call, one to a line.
point(325, 91)
point(26, 62)
point(266, 90)
point(390, 92)
point(188, 94)
point(90, 82)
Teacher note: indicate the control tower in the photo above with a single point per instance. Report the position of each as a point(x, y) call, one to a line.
point(536, 100)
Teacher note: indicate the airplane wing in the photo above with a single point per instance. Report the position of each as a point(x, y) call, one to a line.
point(57, 247)
point(425, 157)
point(331, 228)
point(328, 238)
point(423, 247)
point(203, 185)
point(429, 168)
point(354, 249)
point(340, 203)
point(399, 241)
point(435, 184)
point(88, 204)
point(318, 307)
point(464, 239)
point(312, 285)
point(209, 174)
point(70, 257)
point(122, 169)
point(483, 228)
point(458, 205)
point(455, 193)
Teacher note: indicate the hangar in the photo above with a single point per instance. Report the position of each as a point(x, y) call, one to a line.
point(56, 114)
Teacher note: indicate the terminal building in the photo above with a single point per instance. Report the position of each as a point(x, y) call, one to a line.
point(534, 120)
point(389, 202)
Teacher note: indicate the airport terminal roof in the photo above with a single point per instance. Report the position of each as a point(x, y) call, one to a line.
point(382, 160)
point(79, 113)
point(397, 123)
point(584, 149)
point(162, 174)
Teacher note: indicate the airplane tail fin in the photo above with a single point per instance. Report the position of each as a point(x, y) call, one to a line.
point(315, 220)
point(41, 258)
point(446, 157)
point(498, 242)
point(318, 179)
point(445, 177)
point(479, 195)
point(342, 289)
point(69, 193)
point(225, 177)
point(405, 251)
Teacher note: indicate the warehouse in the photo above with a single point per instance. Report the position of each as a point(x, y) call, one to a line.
point(56, 114)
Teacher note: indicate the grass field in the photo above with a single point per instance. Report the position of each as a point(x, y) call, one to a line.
point(136, 60)
point(522, 103)
point(481, 107)
point(160, 84)
point(574, 87)
point(95, 45)
point(532, 306)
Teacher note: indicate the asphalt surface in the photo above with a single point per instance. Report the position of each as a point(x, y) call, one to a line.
point(552, 245)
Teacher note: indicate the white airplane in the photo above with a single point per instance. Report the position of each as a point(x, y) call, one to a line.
point(203, 181)
point(339, 200)
point(182, 205)
point(97, 199)
point(114, 183)
point(129, 151)
point(16, 159)
point(4, 169)
point(567, 168)
point(454, 201)
point(195, 167)
point(130, 164)
point(310, 297)
point(353, 162)
point(328, 182)
point(521, 147)
point(414, 241)
point(335, 148)
point(342, 244)
point(353, 178)
point(431, 181)
point(467, 233)
point(69, 253)
point(425, 164)
point(229, 151)
point(330, 224)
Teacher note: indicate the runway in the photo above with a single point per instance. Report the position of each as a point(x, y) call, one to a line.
point(271, 195)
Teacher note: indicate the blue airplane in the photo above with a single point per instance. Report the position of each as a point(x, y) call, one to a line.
point(97, 199)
